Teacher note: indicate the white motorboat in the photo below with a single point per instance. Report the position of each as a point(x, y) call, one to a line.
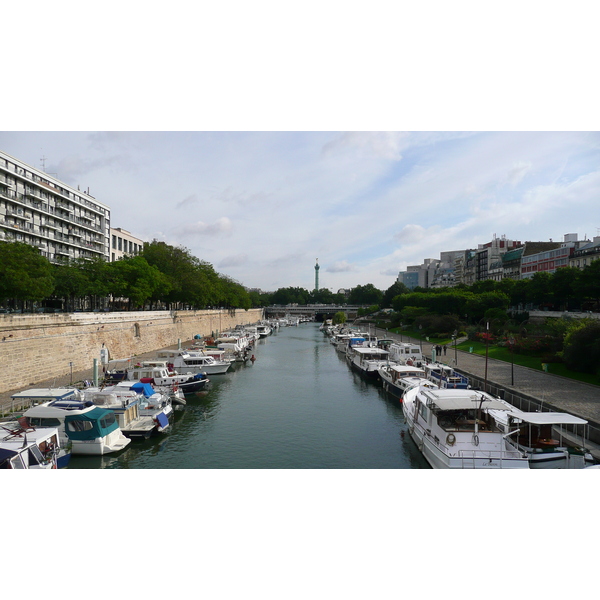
point(22, 451)
point(453, 429)
point(46, 438)
point(367, 361)
point(156, 373)
point(399, 378)
point(193, 362)
point(263, 330)
point(90, 429)
point(127, 405)
point(406, 353)
point(544, 438)
point(445, 376)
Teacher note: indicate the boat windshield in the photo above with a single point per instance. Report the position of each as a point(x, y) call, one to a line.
point(465, 420)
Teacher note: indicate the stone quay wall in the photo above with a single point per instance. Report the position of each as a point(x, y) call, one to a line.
point(42, 346)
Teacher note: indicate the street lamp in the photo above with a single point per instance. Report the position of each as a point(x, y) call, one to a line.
point(454, 336)
point(512, 360)
point(487, 343)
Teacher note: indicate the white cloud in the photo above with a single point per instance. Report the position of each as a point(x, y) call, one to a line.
point(411, 234)
point(341, 266)
point(235, 260)
point(222, 225)
point(188, 202)
point(516, 174)
point(380, 144)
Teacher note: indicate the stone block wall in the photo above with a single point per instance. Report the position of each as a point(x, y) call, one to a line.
point(34, 348)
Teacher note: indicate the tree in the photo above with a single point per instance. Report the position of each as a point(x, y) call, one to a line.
point(133, 278)
point(290, 295)
point(540, 288)
point(70, 284)
point(394, 290)
point(25, 275)
point(365, 294)
point(588, 284)
point(564, 283)
point(581, 351)
point(339, 318)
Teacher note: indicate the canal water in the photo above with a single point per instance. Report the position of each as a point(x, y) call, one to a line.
point(298, 406)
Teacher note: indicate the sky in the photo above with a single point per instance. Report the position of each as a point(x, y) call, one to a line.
point(262, 207)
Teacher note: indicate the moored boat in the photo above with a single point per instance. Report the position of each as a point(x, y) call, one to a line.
point(24, 447)
point(543, 437)
point(399, 378)
point(91, 430)
point(124, 405)
point(367, 360)
point(406, 353)
point(445, 376)
point(193, 362)
point(454, 429)
point(46, 438)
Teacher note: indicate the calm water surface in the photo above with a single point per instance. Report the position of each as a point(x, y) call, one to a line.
point(299, 406)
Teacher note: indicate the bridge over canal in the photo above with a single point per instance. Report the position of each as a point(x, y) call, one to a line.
point(319, 312)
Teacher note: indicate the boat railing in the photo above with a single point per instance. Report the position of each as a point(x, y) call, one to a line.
point(472, 455)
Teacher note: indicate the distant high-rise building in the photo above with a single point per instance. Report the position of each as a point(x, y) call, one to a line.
point(317, 276)
point(39, 210)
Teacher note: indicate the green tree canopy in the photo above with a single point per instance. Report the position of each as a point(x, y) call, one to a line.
point(24, 273)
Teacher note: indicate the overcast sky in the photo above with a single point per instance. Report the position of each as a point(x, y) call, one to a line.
point(262, 207)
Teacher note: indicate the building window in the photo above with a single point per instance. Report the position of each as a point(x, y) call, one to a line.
point(114, 242)
point(120, 244)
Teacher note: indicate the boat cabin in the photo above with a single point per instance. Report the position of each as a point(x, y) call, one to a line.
point(445, 376)
point(405, 353)
point(461, 410)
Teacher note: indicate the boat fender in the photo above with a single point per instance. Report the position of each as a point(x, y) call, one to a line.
point(475, 440)
point(450, 439)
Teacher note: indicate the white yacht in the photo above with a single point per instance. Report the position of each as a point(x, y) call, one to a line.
point(454, 429)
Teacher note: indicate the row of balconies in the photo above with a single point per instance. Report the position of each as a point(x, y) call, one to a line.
point(20, 199)
point(21, 173)
point(61, 237)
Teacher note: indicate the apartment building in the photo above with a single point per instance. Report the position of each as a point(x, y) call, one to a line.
point(586, 254)
point(38, 209)
point(123, 244)
point(548, 261)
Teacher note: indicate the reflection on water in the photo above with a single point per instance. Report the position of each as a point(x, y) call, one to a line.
point(298, 406)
